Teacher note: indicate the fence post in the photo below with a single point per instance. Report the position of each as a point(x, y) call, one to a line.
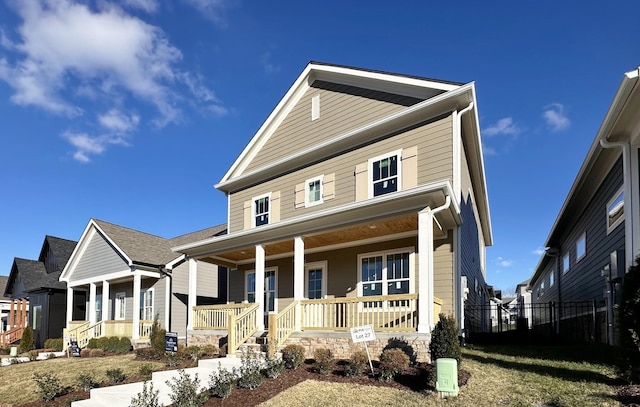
point(273, 333)
point(231, 338)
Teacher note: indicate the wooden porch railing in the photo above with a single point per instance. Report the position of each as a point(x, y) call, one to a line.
point(119, 328)
point(393, 313)
point(73, 329)
point(88, 332)
point(281, 326)
point(11, 336)
point(144, 330)
point(216, 316)
point(241, 327)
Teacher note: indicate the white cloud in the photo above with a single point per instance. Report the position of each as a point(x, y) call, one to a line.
point(504, 262)
point(555, 117)
point(503, 126)
point(69, 53)
point(487, 151)
point(539, 251)
point(211, 9)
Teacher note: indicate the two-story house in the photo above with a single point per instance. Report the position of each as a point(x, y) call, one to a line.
point(596, 235)
point(361, 200)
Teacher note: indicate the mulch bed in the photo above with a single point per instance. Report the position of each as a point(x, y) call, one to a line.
point(629, 395)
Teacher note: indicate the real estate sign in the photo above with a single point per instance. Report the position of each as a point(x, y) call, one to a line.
point(362, 333)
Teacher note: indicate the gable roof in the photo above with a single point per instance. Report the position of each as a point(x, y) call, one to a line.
point(61, 248)
point(3, 285)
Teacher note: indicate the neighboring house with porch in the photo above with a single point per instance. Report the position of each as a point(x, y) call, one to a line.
point(596, 236)
point(5, 304)
point(361, 200)
point(119, 279)
point(38, 298)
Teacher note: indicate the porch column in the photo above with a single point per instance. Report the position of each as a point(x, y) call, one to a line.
point(105, 301)
point(12, 314)
point(92, 303)
point(69, 305)
point(260, 285)
point(298, 276)
point(193, 291)
point(23, 315)
point(136, 307)
point(425, 265)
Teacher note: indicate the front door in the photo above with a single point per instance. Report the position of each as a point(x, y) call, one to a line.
point(270, 291)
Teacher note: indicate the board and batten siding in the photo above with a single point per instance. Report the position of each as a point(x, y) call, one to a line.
point(98, 259)
point(342, 108)
point(434, 163)
point(583, 281)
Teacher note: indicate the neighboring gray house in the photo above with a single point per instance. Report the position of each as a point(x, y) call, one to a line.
point(523, 299)
point(5, 304)
point(596, 235)
point(120, 279)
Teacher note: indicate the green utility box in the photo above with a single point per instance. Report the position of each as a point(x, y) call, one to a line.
point(13, 352)
point(447, 377)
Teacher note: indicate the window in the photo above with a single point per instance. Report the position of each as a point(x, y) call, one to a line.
point(261, 210)
point(146, 305)
point(551, 277)
point(565, 263)
point(99, 307)
point(581, 247)
point(385, 274)
point(120, 306)
point(385, 174)
point(316, 280)
point(542, 287)
point(36, 318)
point(313, 191)
point(615, 211)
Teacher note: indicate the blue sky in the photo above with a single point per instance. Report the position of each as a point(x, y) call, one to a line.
point(130, 111)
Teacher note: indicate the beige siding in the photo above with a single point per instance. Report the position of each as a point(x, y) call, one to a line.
point(343, 108)
point(443, 272)
point(433, 142)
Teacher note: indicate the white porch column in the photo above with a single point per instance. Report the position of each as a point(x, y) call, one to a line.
point(69, 305)
point(92, 303)
point(136, 306)
point(298, 275)
point(260, 260)
point(105, 301)
point(167, 303)
point(425, 266)
point(193, 292)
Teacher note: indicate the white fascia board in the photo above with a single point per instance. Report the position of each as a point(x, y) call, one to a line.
point(76, 254)
point(170, 265)
point(105, 277)
point(411, 113)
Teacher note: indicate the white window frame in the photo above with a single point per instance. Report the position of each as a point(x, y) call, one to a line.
point(246, 292)
point(398, 154)
point(143, 306)
point(307, 202)
point(582, 239)
point(612, 226)
point(384, 253)
point(120, 303)
point(98, 305)
point(313, 266)
point(253, 209)
point(566, 263)
point(552, 277)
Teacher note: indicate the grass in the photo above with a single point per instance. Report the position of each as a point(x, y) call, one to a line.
point(17, 385)
point(501, 376)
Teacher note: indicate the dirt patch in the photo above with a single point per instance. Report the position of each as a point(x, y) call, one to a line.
point(629, 395)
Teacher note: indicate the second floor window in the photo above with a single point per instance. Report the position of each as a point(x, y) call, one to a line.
point(313, 191)
point(384, 174)
point(261, 210)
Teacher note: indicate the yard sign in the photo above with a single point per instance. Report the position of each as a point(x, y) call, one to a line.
point(364, 333)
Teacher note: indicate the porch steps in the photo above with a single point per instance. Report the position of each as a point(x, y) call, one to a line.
point(121, 395)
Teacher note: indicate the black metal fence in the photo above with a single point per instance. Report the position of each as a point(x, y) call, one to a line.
point(550, 322)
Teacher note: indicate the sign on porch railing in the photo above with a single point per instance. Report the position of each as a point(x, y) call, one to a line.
point(364, 334)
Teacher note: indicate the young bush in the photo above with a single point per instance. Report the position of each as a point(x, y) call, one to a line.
point(402, 344)
point(54, 343)
point(102, 343)
point(392, 362)
point(630, 324)
point(172, 359)
point(147, 397)
point(156, 337)
point(85, 382)
point(357, 364)
point(273, 367)
point(323, 361)
point(86, 353)
point(249, 375)
point(124, 345)
point(49, 385)
point(26, 341)
point(184, 391)
point(145, 370)
point(444, 340)
point(221, 383)
point(115, 375)
point(146, 354)
point(51, 355)
point(210, 351)
point(96, 353)
point(194, 352)
point(92, 344)
point(33, 355)
point(293, 356)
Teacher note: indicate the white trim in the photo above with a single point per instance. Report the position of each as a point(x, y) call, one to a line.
point(116, 300)
point(114, 276)
point(315, 107)
point(371, 161)
point(412, 272)
point(253, 208)
point(323, 265)
point(143, 297)
point(611, 227)
point(583, 239)
point(320, 180)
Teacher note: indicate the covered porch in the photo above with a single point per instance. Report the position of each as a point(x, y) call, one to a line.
point(16, 321)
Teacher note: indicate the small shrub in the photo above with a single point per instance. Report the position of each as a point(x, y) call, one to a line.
point(102, 343)
point(147, 397)
point(210, 351)
point(112, 344)
point(293, 356)
point(124, 345)
point(96, 353)
point(402, 344)
point(156, 337)
point(249, 374)
point(221, 383)
point(323, 361)
point(4, 350)
point(51, 355)
point(49, 385)
point(86, 353)
point(14, 361)
point(171, 359)
point(145, 370)
point(194, 352)
point(115, 375)
point(184, 391)
point(444, 340)
point(357, 363)
point(26, 341)
point(273, 367)
point(146, 354)
point(33, 355)
point(392, 362)
point(85, 381)
point(93, 343)
point(55, 344)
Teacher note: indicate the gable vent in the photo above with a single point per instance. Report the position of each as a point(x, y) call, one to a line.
point(315, 107)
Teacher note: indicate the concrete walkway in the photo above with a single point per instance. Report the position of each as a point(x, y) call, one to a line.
point(121, 395)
